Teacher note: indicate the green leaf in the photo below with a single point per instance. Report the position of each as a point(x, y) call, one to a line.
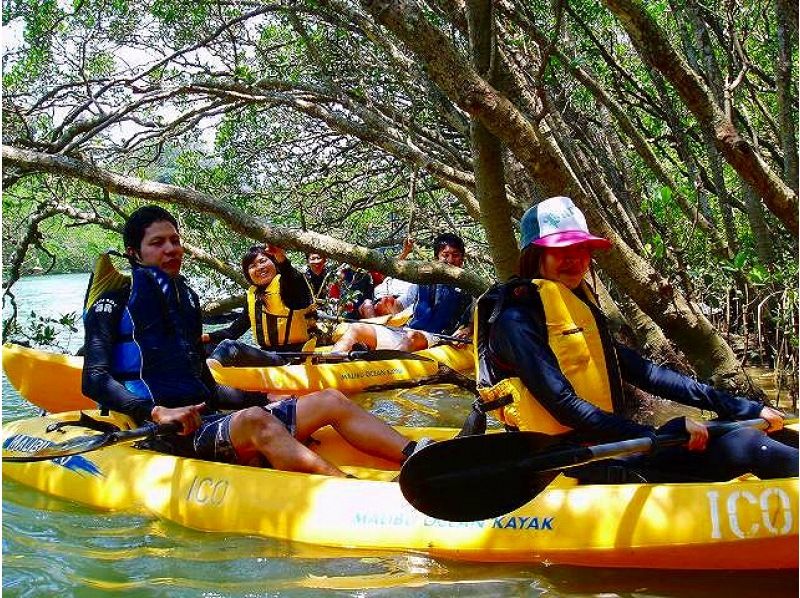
point(758, 274)
point(740, 260)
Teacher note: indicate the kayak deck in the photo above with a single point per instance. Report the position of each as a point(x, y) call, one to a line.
point(52, 381)
point(742, 524)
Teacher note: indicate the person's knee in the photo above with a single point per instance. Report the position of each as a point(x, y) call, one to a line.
point(749, 449)
point(256, 420)
point(332, 399)
point(415, 341)
point(226, 352)
point(330, 402)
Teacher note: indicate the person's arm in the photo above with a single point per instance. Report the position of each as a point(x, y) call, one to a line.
point(517, 340)
point(101, 325)
point(408, 247)
point(295, 292)
point(233, 331)
point(677, 387)
point(408, 298)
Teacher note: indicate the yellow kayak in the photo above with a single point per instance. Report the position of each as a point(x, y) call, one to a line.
point(742, 524)
point(52, 381)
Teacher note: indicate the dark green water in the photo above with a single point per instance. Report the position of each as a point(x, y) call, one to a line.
point(56, 548)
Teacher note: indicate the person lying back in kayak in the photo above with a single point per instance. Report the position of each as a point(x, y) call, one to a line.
point(144, 358)
point(438, 309)
point(385, 300)
point(547, 363)
point(278, 302)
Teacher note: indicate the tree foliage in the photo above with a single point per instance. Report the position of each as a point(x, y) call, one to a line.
point(671, 123)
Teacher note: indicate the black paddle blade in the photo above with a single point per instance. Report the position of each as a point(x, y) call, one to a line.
point(74, 446)
point(474, 477)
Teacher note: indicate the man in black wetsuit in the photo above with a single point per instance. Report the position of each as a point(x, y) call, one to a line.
point(144, 358)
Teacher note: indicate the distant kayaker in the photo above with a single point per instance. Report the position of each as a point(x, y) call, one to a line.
point(548, 363)
point(384, 302)
point(319, 276)
point(144, 358)
point(278, 301)
point(438, 309)
point(351, 288)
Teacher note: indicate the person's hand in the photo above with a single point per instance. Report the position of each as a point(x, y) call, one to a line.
point(408, 247)
point(774, 418)
point(464, 332)
point(277, 252)
point(204, 338)
point(188, 417)
point(698, 435)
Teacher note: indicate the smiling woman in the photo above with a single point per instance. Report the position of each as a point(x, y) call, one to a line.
point(278, 302)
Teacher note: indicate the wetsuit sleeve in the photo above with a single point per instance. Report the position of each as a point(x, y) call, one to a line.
point(233, 331)
point(234, 399)
point(295, 293)
point(101, 325)
point(677, 387)
point(520, 344)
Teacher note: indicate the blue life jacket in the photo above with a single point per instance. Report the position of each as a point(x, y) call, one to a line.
point(440, 308)
point(157, 352)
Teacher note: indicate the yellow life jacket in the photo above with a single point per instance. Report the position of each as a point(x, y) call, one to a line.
point(273, 323)
point(574, 338)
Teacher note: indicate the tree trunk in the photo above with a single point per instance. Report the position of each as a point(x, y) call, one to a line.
point(243, 223)
point(786, 38)
point(763, 239)
point(490, 184)
point(692, 332)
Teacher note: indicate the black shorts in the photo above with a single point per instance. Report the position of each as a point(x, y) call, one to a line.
point(212, 441)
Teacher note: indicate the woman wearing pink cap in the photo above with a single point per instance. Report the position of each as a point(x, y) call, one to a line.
point(548, 363)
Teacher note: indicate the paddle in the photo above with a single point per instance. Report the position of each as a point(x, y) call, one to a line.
point(84, 444)
point(443, 375)
point(374, 355)
point(444, 337)
point(472, 478)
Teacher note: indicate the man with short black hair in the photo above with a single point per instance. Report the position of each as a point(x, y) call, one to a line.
point(144, 358)
point(438, 309)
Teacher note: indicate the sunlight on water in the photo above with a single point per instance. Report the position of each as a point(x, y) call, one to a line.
point(52, 547)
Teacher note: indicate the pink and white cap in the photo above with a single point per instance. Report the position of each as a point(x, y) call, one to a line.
point(557, 222)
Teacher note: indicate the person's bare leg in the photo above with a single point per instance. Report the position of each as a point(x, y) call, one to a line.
point(253, 431)
point(359, 427)
point(413, 341)
point(356, 333)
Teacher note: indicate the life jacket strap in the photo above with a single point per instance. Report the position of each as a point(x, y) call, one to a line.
point(497, 403)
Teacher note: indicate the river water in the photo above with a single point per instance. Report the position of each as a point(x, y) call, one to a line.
point(53, 547)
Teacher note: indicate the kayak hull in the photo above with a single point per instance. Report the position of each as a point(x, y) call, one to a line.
point(52, 381)
point(742, 524)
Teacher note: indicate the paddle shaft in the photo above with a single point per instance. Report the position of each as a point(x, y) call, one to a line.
point(444, 337)
point(374, 355)
point(559, 459)
point(84, 444)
